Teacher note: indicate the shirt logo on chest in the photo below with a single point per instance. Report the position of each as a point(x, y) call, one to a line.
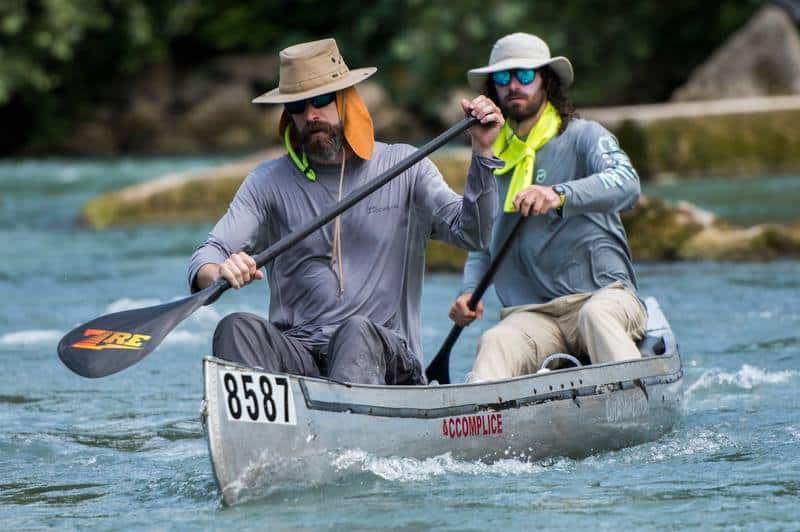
point(378, 209)
point(541, 175)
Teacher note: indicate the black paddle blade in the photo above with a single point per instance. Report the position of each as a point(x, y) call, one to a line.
point(439, 371)
point(113, 342)
point(439, 368)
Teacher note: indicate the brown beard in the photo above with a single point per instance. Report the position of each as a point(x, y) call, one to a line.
point(322, 148)
point(530, 109)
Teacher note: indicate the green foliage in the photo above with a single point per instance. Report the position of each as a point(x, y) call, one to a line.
point(36, 41)
point(61, 59)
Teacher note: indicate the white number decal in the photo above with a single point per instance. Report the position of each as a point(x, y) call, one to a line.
point(258, 398)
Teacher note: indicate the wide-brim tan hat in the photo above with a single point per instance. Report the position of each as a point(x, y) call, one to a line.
point(520, 50)
point(312, 68)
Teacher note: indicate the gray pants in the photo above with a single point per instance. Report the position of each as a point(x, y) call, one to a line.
point(359, 351)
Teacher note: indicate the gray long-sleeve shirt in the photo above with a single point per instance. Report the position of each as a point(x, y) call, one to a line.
point(583, 250)
point(383, 239)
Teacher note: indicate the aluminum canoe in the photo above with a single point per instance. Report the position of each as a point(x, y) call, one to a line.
point(264, 429)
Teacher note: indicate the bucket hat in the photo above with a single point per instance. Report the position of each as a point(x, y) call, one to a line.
point(310, 69)
point(520, 50)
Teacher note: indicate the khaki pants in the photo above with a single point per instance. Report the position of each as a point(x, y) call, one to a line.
point(603, 324)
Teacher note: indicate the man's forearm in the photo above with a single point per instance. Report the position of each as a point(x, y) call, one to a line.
point(206, 275)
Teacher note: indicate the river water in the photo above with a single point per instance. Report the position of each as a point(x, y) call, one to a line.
point(128, 451)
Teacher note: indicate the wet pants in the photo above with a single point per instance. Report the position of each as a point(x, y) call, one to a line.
point(359, 351)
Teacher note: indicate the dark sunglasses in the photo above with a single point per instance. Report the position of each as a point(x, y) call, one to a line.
point(524, 75)
point(318, 102)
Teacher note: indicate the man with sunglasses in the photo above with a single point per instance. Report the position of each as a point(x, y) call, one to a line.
point(345, 301)
point(567, 284)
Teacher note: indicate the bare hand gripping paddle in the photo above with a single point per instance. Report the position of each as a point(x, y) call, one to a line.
point(111, 343)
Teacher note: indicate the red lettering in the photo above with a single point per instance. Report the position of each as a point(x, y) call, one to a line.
point(473, 425)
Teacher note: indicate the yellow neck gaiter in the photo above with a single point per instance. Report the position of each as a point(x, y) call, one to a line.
point(520, 156)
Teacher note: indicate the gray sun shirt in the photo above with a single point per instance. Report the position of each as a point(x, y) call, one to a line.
point(585, 248)
point(383, 239)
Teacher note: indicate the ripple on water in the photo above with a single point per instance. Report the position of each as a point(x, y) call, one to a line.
point(765, 346)
point(139, 439)
point(698, 444)
point(18, 399)
point(21, 493)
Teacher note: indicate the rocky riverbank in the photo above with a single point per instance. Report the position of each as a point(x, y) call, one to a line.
point(657, 230)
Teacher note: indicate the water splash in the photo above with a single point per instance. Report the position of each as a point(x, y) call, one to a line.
point(403, 469)
point(747, 378)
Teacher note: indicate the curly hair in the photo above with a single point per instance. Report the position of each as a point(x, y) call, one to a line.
point(556, 95)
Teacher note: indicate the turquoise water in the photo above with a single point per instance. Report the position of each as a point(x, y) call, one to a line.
point(128, 451)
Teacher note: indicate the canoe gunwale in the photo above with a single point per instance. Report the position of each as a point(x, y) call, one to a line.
point(572, 394)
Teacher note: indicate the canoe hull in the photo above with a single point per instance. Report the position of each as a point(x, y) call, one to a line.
point(266, 428)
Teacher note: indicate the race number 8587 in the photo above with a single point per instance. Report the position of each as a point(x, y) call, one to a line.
point(257, 398)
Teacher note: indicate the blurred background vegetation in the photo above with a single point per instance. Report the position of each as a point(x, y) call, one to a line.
point(61, 59)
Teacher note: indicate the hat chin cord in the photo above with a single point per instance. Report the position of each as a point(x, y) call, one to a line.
point(336, 253)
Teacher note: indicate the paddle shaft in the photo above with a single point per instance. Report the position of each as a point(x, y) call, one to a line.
point(439, 368)
point(354, 197)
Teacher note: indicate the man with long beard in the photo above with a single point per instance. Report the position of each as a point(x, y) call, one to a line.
point(345, 301)
point(567, 284)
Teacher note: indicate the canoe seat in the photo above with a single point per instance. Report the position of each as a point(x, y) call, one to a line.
point(652, 345)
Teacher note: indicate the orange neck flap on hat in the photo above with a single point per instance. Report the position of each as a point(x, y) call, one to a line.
point(358, 129)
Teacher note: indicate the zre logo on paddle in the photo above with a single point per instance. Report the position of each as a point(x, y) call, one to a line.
point(99, 339)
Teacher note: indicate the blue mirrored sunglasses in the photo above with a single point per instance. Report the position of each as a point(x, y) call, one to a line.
point(318, 102)
point(524, 75)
